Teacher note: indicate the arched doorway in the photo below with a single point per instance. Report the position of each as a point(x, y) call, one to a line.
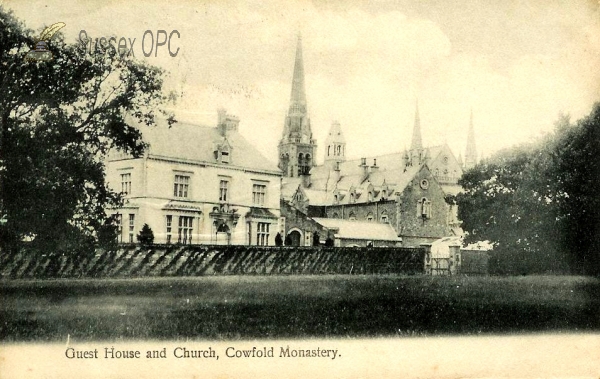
point(295, 238)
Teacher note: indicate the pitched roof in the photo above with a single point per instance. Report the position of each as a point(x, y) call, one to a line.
point(197, 143)
point(347, 229)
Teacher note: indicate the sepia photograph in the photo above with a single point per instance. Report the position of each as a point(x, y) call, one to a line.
point(352, 189)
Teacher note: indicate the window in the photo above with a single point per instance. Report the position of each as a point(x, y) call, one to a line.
point(131, 227)
point(181, 186)
point(224, 156)
point(169, 225)
point(262, 234)
point(424, 208)
point(258, 194)
point(185, 230)
point(335, 215)
point(370, 216)
point(223, 190)
point(384, 218)
point(126, 184)
point(119, 221)
point(352, 216)
point(371, 196)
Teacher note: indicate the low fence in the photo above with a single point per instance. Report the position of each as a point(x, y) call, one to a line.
point(172, 260)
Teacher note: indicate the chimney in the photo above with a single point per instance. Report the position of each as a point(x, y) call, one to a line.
point(305, 180)
point(336, 172)
point(363, 164)
point(222, 115)
point(374, 167)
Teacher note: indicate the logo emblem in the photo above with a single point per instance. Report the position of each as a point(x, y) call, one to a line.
point(41, 52)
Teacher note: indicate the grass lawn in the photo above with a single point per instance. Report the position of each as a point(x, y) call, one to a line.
point(247, 307)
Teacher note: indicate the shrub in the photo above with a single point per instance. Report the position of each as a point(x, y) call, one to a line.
point(278, 240)
point(146, 236)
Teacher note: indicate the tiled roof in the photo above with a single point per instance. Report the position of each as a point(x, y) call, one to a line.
point(359, 230)
point(197, 143)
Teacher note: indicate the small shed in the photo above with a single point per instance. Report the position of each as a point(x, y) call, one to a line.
point(349, 233)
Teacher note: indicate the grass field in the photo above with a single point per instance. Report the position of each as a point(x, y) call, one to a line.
point(246, 307)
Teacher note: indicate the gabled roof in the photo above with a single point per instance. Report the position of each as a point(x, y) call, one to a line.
point(347, 229)
point(197, 144)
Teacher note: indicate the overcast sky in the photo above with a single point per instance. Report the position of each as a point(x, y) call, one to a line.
point(517, 64)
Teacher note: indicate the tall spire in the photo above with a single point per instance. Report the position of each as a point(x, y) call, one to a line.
point(471, 152)
point(416, 137)
point(297, 147)
point(298, 96)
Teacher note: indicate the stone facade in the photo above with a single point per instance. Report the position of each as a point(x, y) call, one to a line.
point(197, 185)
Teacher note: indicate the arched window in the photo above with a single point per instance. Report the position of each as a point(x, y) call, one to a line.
point(371, 196)
point(424, 208)
point(335, 215)
point(339, 150)
point(370, 216)
point(329, 150)
point(352, 216)
point(352, 197)
point(307, 159)
point(300, 158)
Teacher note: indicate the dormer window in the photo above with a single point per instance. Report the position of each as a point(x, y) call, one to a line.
point(224, 156)
point(223, 152)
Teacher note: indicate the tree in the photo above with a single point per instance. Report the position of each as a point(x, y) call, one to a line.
point(58, 121)
point(288, 240)
point(537, 203)
point(145, 237)
point(577, 172)
point(278, 240)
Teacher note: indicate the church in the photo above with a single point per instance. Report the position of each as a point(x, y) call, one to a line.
point(398, 199)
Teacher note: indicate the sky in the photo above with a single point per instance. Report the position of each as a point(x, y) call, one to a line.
point(516, 64)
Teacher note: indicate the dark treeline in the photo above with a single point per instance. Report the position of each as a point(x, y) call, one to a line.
point(539, 203)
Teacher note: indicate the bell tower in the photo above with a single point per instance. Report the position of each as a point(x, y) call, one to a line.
point(335, 146)
point(297, 146)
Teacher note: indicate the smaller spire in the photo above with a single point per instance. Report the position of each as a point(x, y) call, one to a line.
point(471, 151)
point(416, 137)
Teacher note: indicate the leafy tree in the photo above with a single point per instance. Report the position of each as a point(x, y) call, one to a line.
point(278, 240)
point(145, 237)
point(58, 120)
point(537, 203)
point(577, 172)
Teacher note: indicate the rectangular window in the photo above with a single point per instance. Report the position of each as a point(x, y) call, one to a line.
point(119, 220)
point(259, 192)
point(186, 226)
point(262, 234)
point(223, 190)
point(224, 157)
point(181, 186)
point(126, 184)
point(131, 227)
point(169, 227)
